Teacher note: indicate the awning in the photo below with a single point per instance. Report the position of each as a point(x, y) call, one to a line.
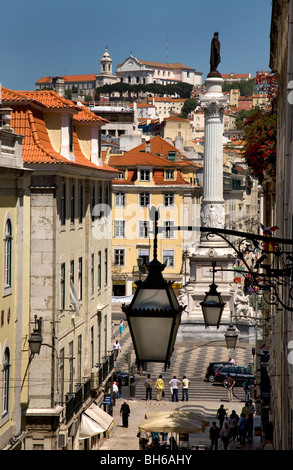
point(94, 421)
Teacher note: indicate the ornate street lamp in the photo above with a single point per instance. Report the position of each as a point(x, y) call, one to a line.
point(154, 314)
point(36, 338)
point(231, 337)
point(212, 305)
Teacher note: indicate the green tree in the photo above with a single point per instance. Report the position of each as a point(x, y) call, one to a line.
point(189, 105)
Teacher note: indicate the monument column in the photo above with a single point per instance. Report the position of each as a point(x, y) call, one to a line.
point(211, 248)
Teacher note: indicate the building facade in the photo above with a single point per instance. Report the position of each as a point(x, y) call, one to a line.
point(69, 282)
point(154, 174)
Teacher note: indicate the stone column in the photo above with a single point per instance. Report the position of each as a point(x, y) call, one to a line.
point(213, 104)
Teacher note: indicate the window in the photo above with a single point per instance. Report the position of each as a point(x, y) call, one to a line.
point(92, 347)
point(70, 390)
point(62, 286)
point(72, 203)
point(144, 227)
point(80, 203)
point(5, 382)
point(168, 230)
point(169, 174)
point(61, 374)
point(144, 199)
point(106, 193)
point(119, 257)
point(121, 175)
point(92, 274)
point(145, 255)
point(145, 175)
point(8, 254)
point(119, 199)
point(168, 258)
point(63, 203)
point(79, 278)
point(168, 199)
point(106, 266)
point(70, 134)
point(119, 228)
point(93, 201)
point(99, 270)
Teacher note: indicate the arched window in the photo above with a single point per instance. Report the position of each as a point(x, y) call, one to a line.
point(5, 382)
point(8, 254)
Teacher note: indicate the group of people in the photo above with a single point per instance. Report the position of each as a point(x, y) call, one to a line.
point(173, 384)
point(232, 428)
point(155, 440)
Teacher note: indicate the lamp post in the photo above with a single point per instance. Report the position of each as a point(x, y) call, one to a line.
point(154, 313)
point(212, 305)
point(231, 336)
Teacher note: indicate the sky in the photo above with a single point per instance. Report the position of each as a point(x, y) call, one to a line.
point(69, 37)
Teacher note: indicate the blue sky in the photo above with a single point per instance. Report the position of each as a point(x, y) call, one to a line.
point(69, 37)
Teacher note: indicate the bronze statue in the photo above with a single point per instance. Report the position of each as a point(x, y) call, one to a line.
point(215, 53)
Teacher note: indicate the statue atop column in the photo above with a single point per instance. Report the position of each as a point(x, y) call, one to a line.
point(215, 58)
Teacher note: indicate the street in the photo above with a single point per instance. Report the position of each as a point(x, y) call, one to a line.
point(204, 397)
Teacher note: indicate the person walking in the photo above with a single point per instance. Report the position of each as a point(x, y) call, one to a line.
point(249, 427)
point(160, 388)
point(121, 326)
point(115, 392)
point(242, 428)
point(143, 439)
point(246, 387)
point(185, 384)
point(233, 425)
point(229, 383)
point(149, 387)
point(116, 348)
point(125, 413)
point(225, 435)
point(214, 435)
point(174, 388)
point(221, 415)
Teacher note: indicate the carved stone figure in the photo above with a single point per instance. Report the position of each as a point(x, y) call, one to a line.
point(215, 53)
point(242, 307)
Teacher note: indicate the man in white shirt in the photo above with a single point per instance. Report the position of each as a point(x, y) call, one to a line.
point(174, 388)
point(117, 348)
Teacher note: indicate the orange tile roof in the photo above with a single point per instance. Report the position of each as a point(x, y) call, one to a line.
point(176, 118)
point(70, 78)
point(165, 66)
point(28, 120)
point(136, 158)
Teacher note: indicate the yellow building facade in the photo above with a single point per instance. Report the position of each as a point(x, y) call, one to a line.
point(153, 175)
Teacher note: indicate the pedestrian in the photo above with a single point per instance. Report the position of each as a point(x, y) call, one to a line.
point(149, 386)
point(116, 348)
point(160, 388)
point(143, 439)
point(119, 385)
point(249, 427)
point(174, 388)
point(185, 384)
point(233, 425)
point(251, 407)
point(242, 428)
point(115, 392)
point(232, 361)
point(125, 413)
point(121, 326)
point(229, 384)
point(245, 410)
point(225, 435)
point(221, 415)
point(246, 387)
point(214, 435)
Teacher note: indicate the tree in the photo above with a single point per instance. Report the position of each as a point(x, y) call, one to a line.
point(260, 137)
point(189, 105)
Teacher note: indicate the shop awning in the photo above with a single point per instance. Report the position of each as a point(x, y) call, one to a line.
point(94, 421)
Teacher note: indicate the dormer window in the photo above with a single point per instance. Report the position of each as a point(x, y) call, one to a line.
point(169, 174)
point(145, 175)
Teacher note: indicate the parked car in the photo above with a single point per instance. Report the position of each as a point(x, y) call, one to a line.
point(124, 376)
point(212, 369)
point(239, 373)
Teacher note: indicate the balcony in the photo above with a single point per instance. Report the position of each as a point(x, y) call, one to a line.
point(75, 401)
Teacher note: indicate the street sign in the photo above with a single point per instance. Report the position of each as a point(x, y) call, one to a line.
point(107, 400)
